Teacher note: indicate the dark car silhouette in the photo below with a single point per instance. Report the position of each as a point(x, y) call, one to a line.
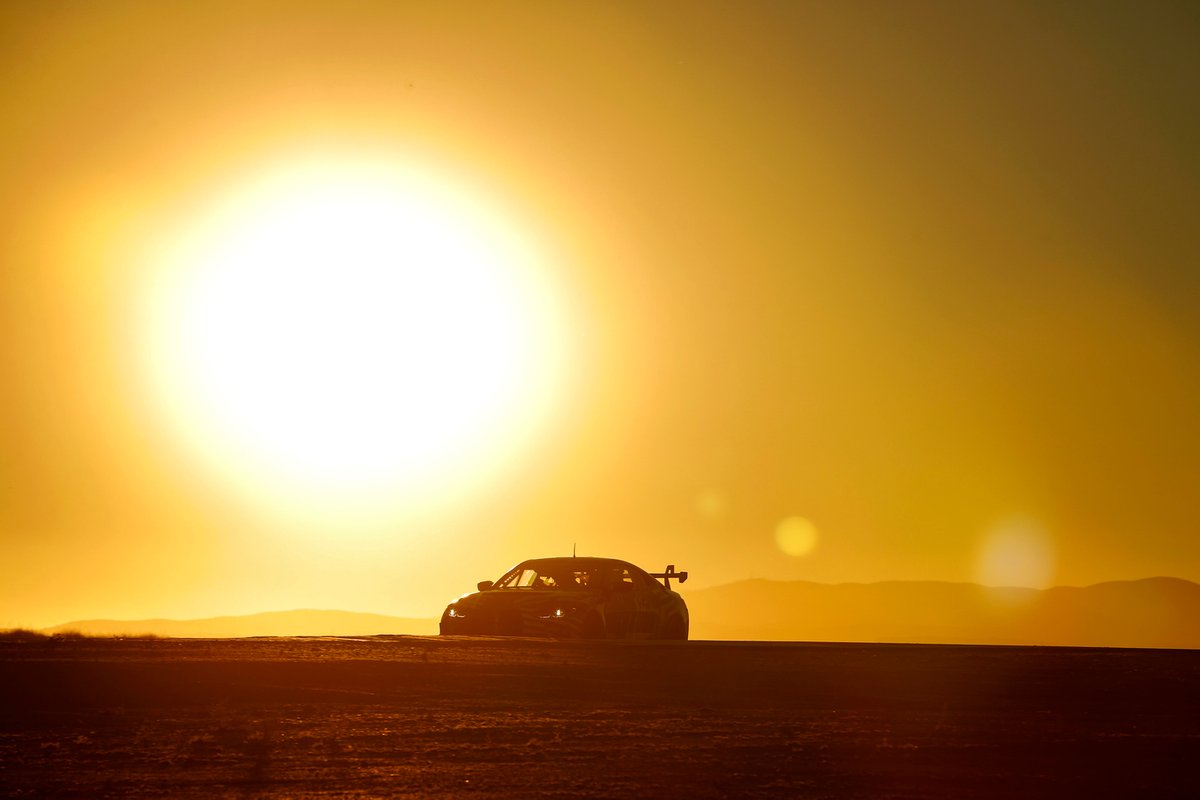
point(587, 598)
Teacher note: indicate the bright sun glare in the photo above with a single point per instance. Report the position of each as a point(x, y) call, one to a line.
point(352, 330)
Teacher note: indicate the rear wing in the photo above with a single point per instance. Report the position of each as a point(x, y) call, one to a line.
point(669, 573)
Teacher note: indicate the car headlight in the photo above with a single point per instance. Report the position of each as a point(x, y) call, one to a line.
point(558, 612)
point(453, 612)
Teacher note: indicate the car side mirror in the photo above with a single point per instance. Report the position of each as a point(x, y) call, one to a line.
point(483, 586)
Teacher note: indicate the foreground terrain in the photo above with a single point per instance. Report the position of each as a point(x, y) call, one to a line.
point(427, 717)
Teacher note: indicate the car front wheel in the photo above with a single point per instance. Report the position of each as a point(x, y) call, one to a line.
point(593, 627)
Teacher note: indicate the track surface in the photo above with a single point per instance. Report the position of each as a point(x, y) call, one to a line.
point(427, 717)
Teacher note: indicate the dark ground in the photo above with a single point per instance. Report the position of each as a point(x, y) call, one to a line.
point(426, 717)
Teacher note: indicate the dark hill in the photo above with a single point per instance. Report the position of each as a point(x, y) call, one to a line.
point(271, 623)
point(1154, 612)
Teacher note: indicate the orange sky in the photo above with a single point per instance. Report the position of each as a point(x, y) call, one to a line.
point(923, 277)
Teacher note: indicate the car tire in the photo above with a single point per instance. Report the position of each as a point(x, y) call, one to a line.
point(593, 627)
point(675, 630)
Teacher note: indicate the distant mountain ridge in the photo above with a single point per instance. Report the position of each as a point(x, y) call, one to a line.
point(1152, 612)
point(304, 622)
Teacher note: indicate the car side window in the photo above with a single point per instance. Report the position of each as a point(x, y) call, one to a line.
point(518, 579)
point(644, 581)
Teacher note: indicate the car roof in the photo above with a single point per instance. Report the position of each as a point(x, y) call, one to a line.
point(578, 561)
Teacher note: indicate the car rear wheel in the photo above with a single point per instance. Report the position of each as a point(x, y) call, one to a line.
point(675, 629)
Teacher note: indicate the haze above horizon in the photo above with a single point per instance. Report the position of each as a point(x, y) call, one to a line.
point(354, 306)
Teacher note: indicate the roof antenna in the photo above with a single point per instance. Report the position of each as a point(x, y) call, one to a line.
point(572, 549)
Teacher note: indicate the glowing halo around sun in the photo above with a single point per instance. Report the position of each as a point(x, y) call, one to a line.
point(348, 332)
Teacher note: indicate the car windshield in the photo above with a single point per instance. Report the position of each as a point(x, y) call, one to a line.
point(564, 577)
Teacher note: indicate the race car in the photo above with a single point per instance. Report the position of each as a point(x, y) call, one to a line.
point(585, 598)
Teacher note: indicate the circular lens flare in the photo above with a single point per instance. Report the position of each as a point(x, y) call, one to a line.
point(796, 536)
point(1016, 552)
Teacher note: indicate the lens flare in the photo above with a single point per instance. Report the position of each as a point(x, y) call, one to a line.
point(1016, 552)
point(796, 536)
point(711, 505)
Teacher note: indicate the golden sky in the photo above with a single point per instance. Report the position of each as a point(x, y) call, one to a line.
point(825, 291)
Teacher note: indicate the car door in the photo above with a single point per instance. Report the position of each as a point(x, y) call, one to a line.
point(620, 605)
point(651, 606)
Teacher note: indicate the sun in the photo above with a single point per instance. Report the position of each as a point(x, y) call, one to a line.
point(348, 330)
